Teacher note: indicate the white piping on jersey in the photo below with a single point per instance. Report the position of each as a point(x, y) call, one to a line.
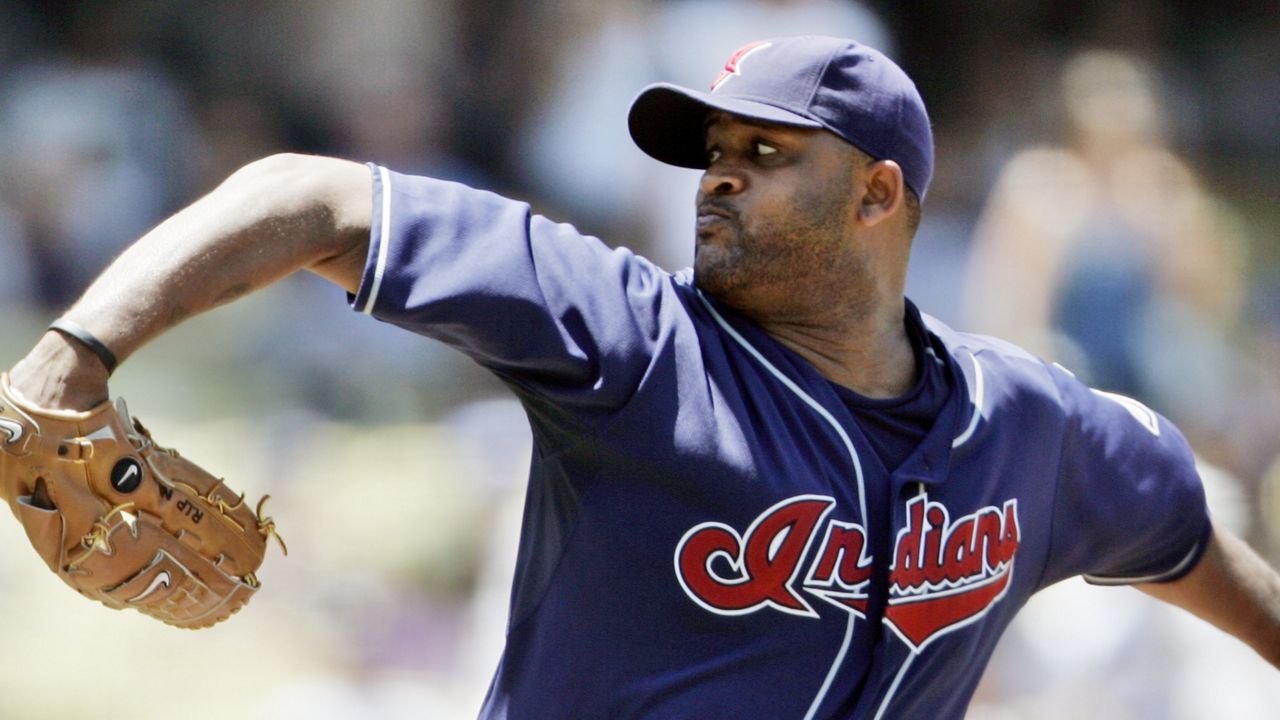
point(1143, 414)
point(831, 674)
point(893, 689)
point(857, 470)
point(844, 437)
point(979, 390)
point(384, 238)
point(1182, 565)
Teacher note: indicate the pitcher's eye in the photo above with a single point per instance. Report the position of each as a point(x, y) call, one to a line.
point(713, 155)
point(763, 149)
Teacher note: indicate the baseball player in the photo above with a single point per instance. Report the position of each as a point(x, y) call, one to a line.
point(765, 487)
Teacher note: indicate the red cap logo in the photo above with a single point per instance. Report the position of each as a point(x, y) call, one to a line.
point(731, 67)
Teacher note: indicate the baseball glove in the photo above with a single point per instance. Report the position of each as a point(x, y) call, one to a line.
point(125, 521)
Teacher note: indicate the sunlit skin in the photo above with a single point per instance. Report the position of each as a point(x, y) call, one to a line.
point(804, 234)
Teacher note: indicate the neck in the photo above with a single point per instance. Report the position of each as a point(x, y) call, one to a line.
point(867, 351)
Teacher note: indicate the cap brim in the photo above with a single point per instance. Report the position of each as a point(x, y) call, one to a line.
point(667, 121)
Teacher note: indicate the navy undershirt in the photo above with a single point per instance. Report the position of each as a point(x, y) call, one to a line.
point(896, 426)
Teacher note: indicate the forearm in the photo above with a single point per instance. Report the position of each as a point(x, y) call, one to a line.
point(266, 221)
point(1234, 589)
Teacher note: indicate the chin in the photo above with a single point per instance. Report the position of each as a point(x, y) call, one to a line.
point(724, 273)
point(716, 283)
point(706, 282)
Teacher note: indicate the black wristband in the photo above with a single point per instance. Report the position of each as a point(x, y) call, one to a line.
point(73, 330)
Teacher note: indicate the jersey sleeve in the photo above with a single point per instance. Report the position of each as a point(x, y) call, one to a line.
point(554, 313)
point(1129, 504)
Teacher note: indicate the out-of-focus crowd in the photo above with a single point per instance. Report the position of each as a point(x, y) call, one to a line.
point(1105, 195)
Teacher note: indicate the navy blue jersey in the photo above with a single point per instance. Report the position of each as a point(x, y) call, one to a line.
point(709, 531)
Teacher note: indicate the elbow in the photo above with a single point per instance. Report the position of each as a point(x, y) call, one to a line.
point(286, 170)
point(331, 201)
point(334, 196)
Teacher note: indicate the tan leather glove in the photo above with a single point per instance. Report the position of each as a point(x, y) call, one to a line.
point(125, 521)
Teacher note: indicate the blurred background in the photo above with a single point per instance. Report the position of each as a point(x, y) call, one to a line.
point(1105, 195)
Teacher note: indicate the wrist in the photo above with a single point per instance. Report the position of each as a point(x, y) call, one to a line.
point(60, 374)
point(75, 331)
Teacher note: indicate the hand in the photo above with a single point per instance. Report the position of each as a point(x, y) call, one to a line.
point(60, 374)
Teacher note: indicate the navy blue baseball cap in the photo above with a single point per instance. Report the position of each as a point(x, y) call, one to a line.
point(816, 82)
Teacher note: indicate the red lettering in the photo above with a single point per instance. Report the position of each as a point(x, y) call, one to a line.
point(764, 564)
point(969, 558)
point(933, 552)
point(841, 557)
point(933, 565)
point(988, 540)
point(1012, 533)
point(931, 593)
point(907, 572)
point(959, 560)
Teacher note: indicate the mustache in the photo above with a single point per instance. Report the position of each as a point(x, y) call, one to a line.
point(716, 206)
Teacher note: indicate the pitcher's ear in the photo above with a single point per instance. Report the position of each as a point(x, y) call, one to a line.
point(885, 192)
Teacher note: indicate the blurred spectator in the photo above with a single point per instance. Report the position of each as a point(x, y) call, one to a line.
point(93, 154)
point(1059, 217)
point(1109, 255)
point(379, 81)
point(382, 77)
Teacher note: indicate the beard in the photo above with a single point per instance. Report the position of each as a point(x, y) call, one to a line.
point(776, 258)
